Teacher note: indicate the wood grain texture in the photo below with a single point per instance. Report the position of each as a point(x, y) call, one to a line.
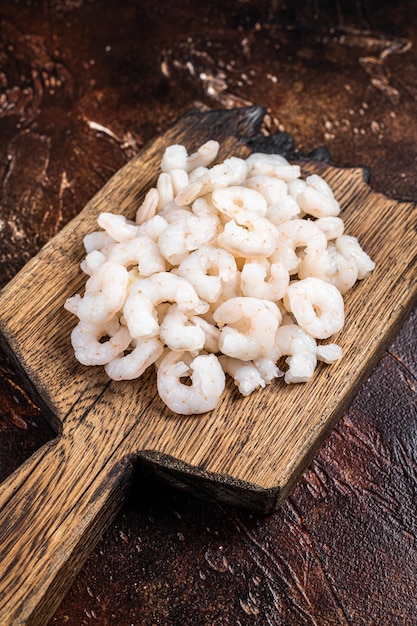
point(248, 451)
point(342, 548)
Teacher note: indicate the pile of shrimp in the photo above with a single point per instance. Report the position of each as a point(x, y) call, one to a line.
point(226, 269)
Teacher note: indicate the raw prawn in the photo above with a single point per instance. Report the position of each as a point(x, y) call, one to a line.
point(230, 200)
point(305, 234)
point(249, 235)
point(147, 209)
point(272, 165)
point(89, 350)
point(331, 267)
point(207, 382)
point(117, 226)
point(105, 293)
point(97, 240)
point(349, 247)
point(316, 305)
point(176, 157)
point(207, 269)
point(247, 327)
point(317, 198)
point(300, 347)
point(179, 333)
point(153, 227)
point(147, 293)
point(244, 373)
point(261, 279)
point(132, 365)
point(141, 251)
point(186, 235)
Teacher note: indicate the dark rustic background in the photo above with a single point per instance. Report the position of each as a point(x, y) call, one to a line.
point(83, 85)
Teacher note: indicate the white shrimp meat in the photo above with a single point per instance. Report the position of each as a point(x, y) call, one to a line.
point(233, 268)
point(207, 382)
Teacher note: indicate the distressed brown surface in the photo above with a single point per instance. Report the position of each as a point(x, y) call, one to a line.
point(342, 550)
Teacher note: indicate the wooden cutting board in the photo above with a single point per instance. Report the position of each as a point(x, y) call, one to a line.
point(248, 451)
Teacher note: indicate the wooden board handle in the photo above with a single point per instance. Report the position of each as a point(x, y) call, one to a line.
point(53, 510)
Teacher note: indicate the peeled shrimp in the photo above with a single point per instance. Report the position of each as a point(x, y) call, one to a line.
point(244, 373)
point(261, 279)
point(200, 173)
point(207, 269)
point(141, 251)
point(249, 235)
point(207, 382)
point(349, 247)
point(316, 305)
point(105, 293)
point(306, 234)
point(147, 293)
point(230, 200)
point(147, 209)
point(317, 198)
point(301, 367)
point(231, 289)
point(88, 348)
point(295, 187)
point(71, 303)
point(204, 156)
point(203, 207)
point(117, 226)
point(282, 211)
point(331, 267)
point(165, 190)
point(301, 349)
point(281, 207)
point(328, 353)
point(97, 240)
point(290, 339)
point(140, 315)
point(285, 254)
point(272, 165)
point(191, 192)
point(168, 287)
point(186, 235)
point(179, 180)
point(331, 225)
point(173, 213)
point(176, 157)
point(231, 172)
point(179, 333)
point(247, 327)
point(211, 333)
point(132, 365)
point(267, 365)
point(153, 227)
point(303, 352)
point(92, 261)
point(273, 189)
